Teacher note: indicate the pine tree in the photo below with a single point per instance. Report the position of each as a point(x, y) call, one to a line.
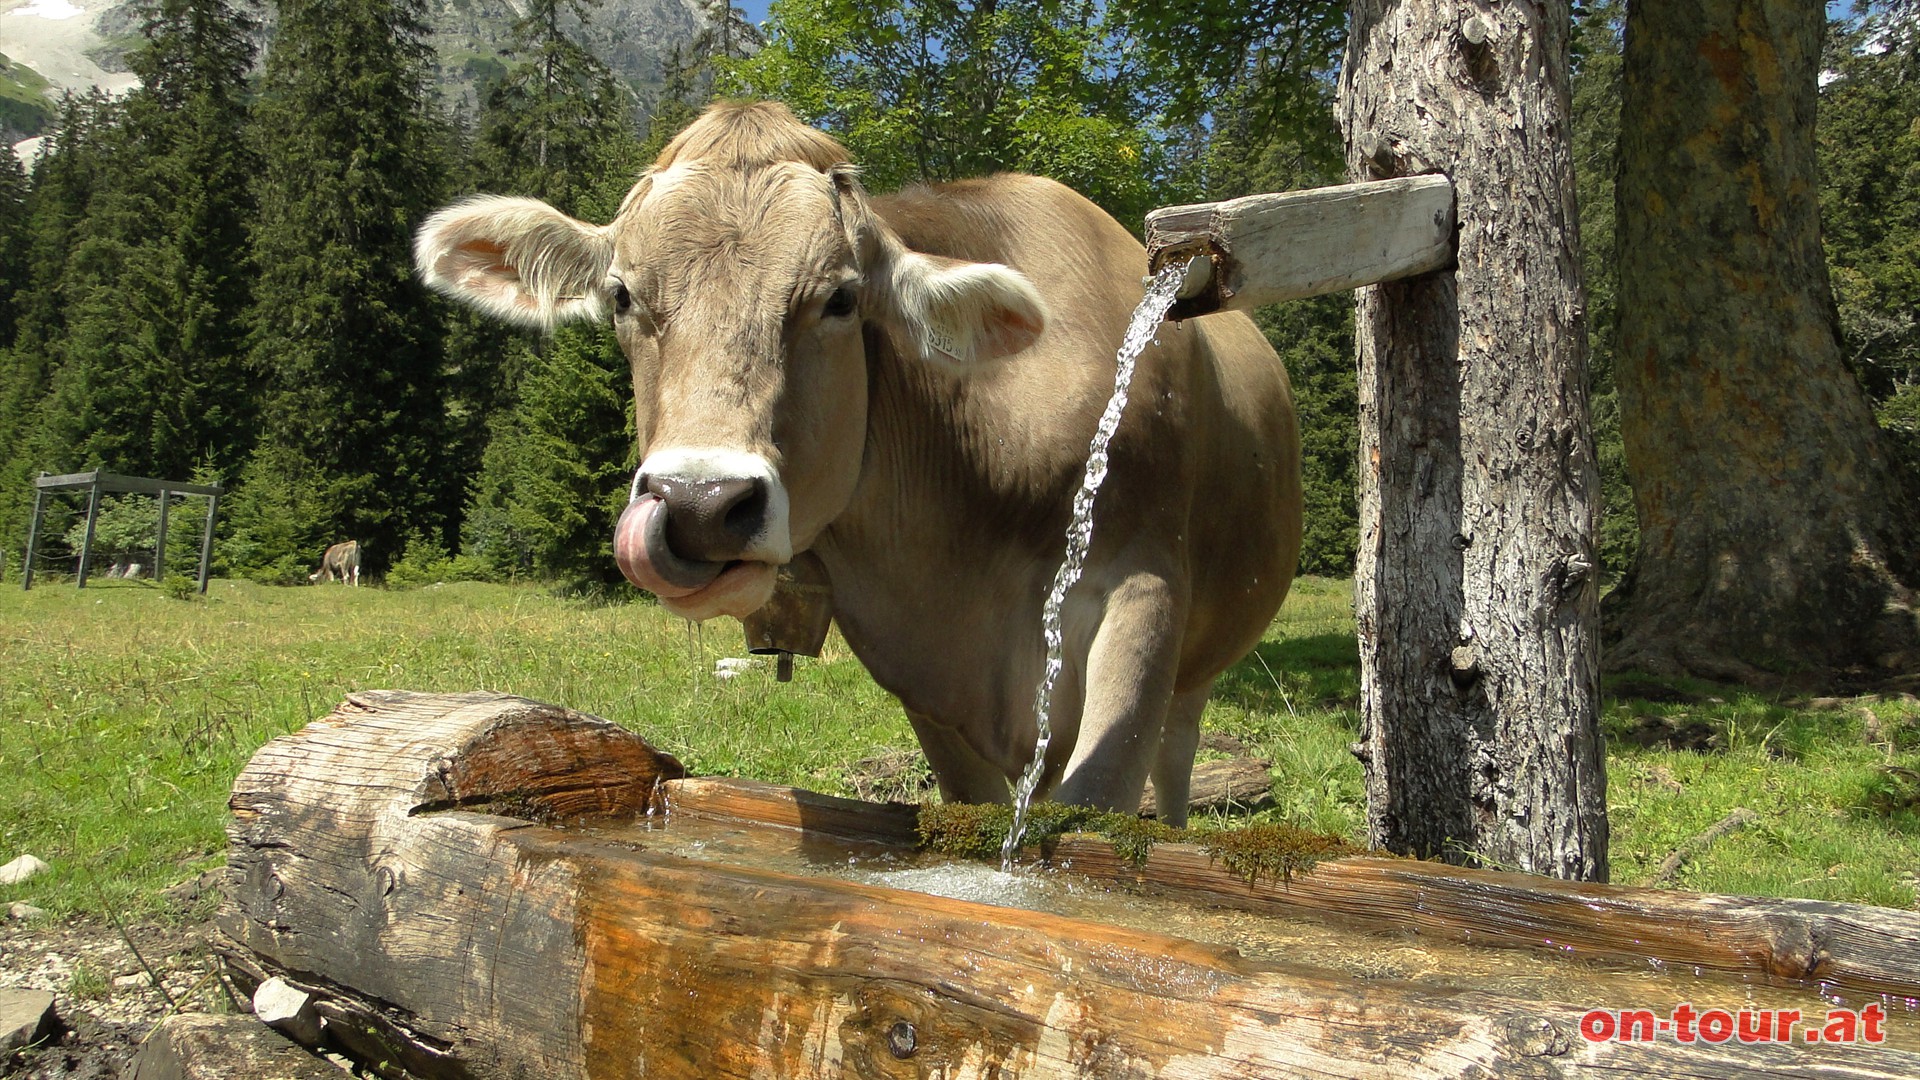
point(1869, 142)
point(13, 240)
point(353, 416)
point(545, 129)
point(151, 380)
point(725, 33)
point(676, 104)
point(560, 438)
point(189, 118)
point(1475, 594)
point(67, 176)
point(555, 476)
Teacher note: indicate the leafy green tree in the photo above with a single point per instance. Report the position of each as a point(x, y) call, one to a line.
point(1254, 103)
point(933, 90)
point(1263, 67)
point(353, 424)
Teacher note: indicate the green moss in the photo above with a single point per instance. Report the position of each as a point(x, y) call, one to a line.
point(964, 830)
point(1133, 837)
point(1272, 850)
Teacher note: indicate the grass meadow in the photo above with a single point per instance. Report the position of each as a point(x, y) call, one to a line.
point(125, 714)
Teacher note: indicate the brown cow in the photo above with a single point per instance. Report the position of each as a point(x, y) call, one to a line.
point(341, 563)
point(906, 386)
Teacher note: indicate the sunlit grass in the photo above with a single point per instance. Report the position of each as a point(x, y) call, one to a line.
point(124, 716)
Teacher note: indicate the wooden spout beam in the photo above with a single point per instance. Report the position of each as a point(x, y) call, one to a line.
point(1262, 249)
point(386, 861)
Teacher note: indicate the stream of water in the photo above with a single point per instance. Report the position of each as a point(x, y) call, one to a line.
point(1146, 323)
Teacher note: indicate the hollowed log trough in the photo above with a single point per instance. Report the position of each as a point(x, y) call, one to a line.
point(467, 887)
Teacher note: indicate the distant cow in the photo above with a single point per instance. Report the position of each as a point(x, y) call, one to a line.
point(905, 386)
point(341, 563)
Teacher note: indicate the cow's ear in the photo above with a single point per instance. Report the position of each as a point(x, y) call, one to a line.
point(518, 259)
point(965, 312)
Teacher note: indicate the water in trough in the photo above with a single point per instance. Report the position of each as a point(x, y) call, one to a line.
point(1146, 322)
point(1433, 962)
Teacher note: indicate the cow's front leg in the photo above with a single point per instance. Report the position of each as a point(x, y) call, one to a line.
point(1130, 669)
point(963, 775)
point(1173, 764)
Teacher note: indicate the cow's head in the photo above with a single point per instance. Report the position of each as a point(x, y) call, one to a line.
point(747, 279)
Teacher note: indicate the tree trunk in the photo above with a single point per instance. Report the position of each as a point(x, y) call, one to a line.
point(1476, 596)
point(1774, 539)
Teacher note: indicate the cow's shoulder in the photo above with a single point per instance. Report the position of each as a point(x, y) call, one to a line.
point(988, 218)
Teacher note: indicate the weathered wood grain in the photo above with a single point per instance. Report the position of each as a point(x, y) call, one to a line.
point(443, 942)
point(1844, 947)
point(327, 872)
point(1284, 246)
point(1226, 784)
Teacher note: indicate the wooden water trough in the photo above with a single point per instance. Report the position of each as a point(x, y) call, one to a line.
point(478, 886)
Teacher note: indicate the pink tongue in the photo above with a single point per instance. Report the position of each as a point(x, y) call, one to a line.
point(630, 550)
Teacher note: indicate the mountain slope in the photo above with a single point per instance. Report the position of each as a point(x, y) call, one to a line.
point(47, 46)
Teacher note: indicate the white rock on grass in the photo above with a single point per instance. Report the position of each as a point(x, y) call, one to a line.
point(25, 912)
point(21, 869)
point(729, 666)
point(288, 1010)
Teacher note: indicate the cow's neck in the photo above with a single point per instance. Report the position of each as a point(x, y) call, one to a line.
point(948, 477)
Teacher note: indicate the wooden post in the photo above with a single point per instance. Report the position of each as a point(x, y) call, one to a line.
point(1476, 587)
point(160, 544)
point(33, 538)
point(1263, 249)
point(86, 545)
point(206, 540)
point(374, 868)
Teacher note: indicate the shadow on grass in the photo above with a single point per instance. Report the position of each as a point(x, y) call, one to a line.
point(1696, 717)
point(1321, 671)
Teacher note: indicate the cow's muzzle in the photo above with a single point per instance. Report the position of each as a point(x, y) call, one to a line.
point(646, 556)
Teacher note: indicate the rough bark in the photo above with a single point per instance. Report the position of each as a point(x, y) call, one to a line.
point(1773, 536)
point(1476, 598)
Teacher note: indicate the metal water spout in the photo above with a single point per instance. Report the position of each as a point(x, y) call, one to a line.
point(1245, 253)
point(796, 619)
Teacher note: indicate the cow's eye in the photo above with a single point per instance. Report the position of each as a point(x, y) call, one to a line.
point(841, 303)
point(622, 299)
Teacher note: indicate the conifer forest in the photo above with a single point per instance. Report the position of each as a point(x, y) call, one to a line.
point(209, 277)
